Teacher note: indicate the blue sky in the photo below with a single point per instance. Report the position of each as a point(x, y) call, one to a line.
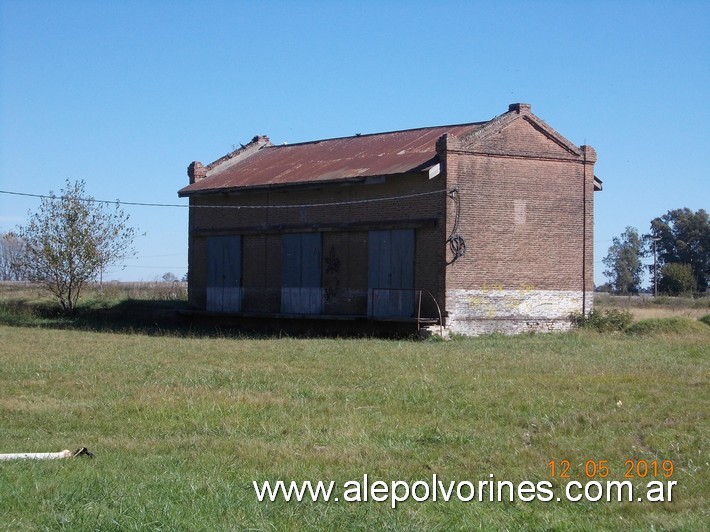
point(125, 94)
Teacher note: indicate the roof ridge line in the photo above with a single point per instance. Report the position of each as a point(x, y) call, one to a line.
point(360, 135)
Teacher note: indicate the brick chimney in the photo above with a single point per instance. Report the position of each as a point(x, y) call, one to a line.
point(196, 172)
point(520, 108)
point(590, 154)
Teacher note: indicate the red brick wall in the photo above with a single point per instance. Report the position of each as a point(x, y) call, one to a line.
point(345, 272)
point(345, 237)
point(522, 215)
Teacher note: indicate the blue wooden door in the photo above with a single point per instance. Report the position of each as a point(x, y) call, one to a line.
point(224, 274)
point(301, 279)
point(391, 273)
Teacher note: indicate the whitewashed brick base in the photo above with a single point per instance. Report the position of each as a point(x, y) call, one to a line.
point(475, 312)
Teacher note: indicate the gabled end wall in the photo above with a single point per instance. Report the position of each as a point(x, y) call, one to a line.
point(526, 215)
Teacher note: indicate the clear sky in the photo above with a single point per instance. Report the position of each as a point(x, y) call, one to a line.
point(126, 94)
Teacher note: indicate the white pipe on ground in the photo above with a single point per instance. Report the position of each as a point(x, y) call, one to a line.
point(66, 453)
point(36, 456)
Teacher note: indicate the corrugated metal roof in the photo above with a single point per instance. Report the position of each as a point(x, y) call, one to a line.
point(359, 156)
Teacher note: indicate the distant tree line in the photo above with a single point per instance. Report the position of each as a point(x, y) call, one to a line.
point(679, 241)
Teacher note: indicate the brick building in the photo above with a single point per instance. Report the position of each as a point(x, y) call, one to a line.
point(481, 227)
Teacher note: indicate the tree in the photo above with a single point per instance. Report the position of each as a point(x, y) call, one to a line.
point(11, 250)
point(677, 279)
point(623, 262)
point(169, 277)
point(603, 288)
point(684, 238)
point(71, 239)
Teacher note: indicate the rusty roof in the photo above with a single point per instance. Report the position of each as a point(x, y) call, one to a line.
point(261, 164)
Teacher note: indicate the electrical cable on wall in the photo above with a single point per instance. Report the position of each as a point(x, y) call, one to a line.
point(456, 242)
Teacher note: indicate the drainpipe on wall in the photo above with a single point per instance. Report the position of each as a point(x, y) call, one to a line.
point(589, 156)
point(584, 231)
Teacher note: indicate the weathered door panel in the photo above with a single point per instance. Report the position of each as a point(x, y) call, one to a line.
point(224, 274)
point(391, 273)
point(301, 290)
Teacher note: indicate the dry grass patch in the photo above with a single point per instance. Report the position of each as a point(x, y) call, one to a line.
point(647, 307)
point(653, 313)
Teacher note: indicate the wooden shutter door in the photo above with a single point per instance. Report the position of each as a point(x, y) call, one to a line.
point(391, 273)
point(224, 274)
point(301, 275)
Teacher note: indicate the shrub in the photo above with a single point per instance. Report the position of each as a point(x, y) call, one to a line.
point(705, 319)
point(608, 320)
point(677, 279)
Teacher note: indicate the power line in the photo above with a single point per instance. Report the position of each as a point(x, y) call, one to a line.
point(118, 267)
point(112, 202)
point(275, 206)
point(158, 256)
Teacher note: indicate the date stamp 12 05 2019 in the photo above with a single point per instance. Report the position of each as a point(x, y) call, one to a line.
point(632, 469)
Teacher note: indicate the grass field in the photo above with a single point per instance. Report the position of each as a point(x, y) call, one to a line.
point(181, 424)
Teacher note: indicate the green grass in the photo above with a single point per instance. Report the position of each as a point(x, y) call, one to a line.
point(149, 308)
point(673, 326)
point(183, 419)
point(181, 426)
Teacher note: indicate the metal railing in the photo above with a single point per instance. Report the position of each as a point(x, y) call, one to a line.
point(382, 305)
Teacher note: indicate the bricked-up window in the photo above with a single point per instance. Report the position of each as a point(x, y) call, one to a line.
point(391, 273)
point(224, 273)
point(301, 276)
point(520, 211)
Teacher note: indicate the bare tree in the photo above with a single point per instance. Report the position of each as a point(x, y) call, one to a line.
point(169, 277)
point(71, 239)
point(11, 250)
